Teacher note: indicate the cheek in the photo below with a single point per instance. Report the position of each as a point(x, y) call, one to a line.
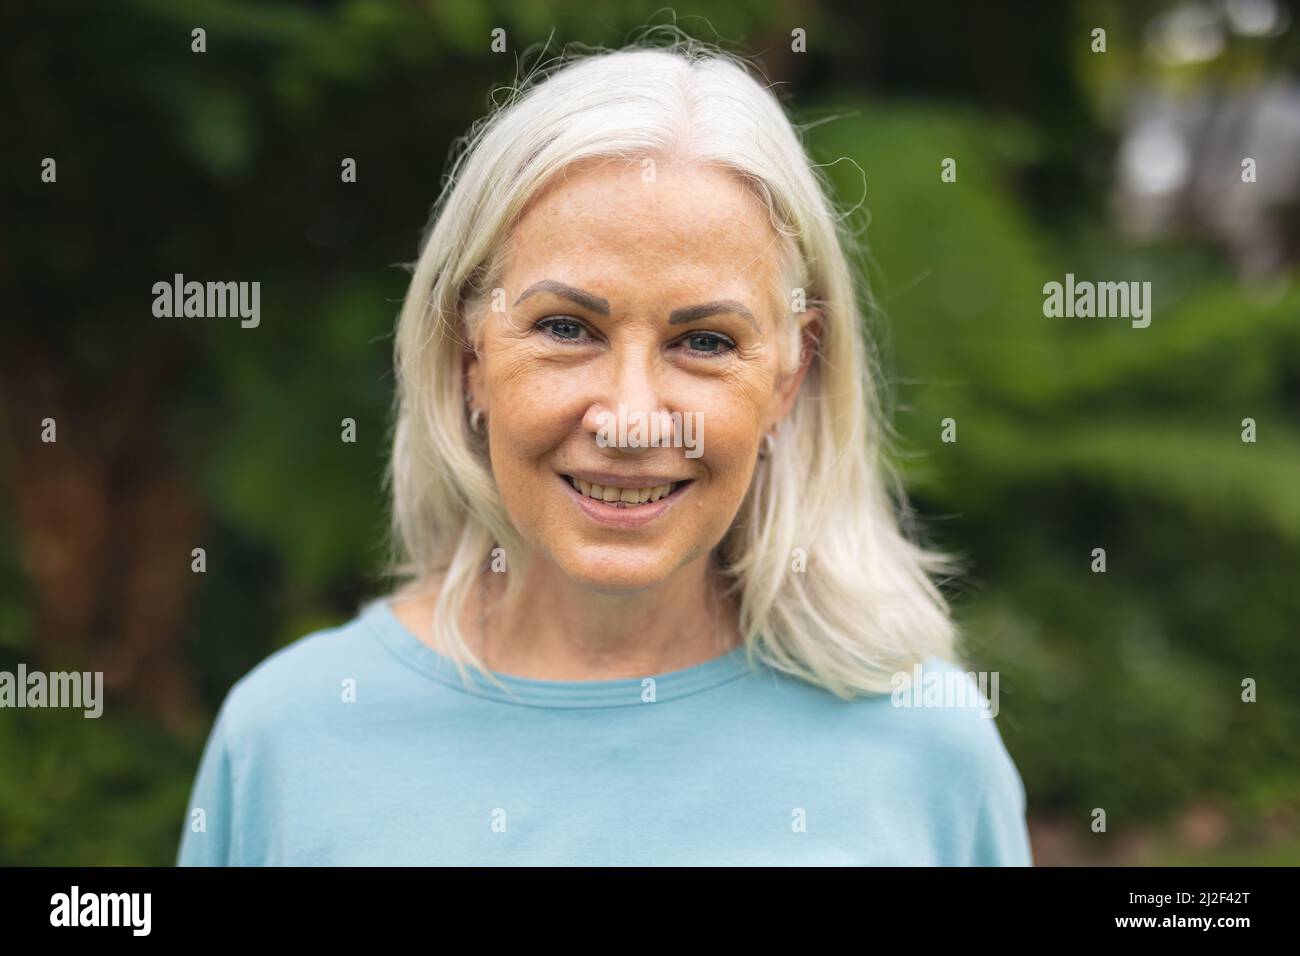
point(521, 436)
point(728, 436)
point(529, 408)
point(532, 377)
point(731, 416)
point(728, 461)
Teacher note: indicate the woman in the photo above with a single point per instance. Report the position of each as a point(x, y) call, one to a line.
point(656, 595)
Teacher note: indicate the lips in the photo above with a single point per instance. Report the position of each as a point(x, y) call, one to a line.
point(621, 496)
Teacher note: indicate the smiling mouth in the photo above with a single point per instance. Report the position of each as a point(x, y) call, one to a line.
point(624, 497)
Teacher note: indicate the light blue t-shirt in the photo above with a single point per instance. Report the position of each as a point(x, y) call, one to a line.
point(360, 745)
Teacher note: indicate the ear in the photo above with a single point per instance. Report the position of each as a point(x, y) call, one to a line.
point(811, 328)
point(471, 371)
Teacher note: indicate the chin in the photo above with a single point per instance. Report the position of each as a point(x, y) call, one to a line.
point(625, 574)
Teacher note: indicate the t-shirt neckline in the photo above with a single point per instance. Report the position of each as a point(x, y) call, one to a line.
point(529, 691)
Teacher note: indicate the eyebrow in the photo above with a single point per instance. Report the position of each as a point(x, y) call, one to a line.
point(601, 306)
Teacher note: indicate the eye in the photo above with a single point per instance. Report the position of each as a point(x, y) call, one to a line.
point(565, 328)
point(708, 344)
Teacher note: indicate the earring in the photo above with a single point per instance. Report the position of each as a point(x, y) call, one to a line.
point(476, 420)
point(769, 443)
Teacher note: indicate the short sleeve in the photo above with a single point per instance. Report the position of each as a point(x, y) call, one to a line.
point(207, 834)
point(1001, 836)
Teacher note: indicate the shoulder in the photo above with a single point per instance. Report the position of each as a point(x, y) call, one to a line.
point(945, 717)
point(301, 682)
point(937, 723)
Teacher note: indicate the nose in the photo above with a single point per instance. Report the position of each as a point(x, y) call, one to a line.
point(628, 408)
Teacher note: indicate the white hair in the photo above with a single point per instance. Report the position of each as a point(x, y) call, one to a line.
point(868, 604)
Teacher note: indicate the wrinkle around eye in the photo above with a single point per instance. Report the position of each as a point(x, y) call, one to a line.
point(730, 349)
point(725, 344)
point(546, 325)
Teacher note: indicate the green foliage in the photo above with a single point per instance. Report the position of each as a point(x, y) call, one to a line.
point(88, 791)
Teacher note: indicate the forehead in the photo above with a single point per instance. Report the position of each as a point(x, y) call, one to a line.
point(605, 223)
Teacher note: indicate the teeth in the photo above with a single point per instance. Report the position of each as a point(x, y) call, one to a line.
point(621, 496)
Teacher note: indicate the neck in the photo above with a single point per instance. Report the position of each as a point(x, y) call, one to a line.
point(557, 629)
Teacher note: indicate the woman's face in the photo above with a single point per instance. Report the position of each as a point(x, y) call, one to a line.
point(653, 297)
